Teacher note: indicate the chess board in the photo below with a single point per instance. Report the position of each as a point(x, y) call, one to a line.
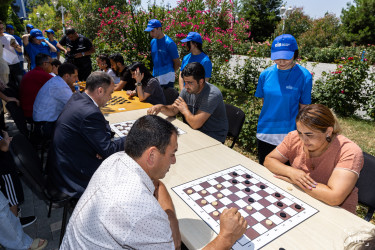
point(258, 200)
point(122, 128)
point(115, 100)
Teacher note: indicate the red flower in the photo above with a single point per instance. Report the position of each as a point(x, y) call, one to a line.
point(350, 58)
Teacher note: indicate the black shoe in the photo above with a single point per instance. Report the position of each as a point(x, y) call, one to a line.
point(27, 221)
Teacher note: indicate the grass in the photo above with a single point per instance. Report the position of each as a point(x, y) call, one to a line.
point(358, 130)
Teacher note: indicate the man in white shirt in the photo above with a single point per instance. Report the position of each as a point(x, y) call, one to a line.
point(126, 205)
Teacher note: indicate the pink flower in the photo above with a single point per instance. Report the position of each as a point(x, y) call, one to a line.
point(342, 58)
point(340, 66)
point(342, 91)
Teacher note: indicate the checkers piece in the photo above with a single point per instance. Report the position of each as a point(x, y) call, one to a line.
point(289, 188)
point(204, 202)
point(235, 173)
point(248, 176)
point(247, 189)
point(219, 186)
point(297, 206)
point(190, 191)
point(247, 182)
point(219, 195)
point(277, 195)
point(280, 204)
point(234, 181)
point(204, 192)
point(269, 222)
point(250, 199)
point(216, 213)
point(249, 208)
point(262, 186)
point(214, 203)
point(282, 214)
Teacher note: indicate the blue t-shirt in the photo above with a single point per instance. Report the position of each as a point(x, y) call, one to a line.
point(163, 51)
point(19, 41)
point(282, 92)
point(202, 58)
point(54, 43)
point(33, 49)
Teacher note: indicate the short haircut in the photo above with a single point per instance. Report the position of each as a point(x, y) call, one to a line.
point(67, 68)
point(117, 57)
point(105, 57)
point(142, 69)
point(98, 79)
point(56, 62)
point(41, 58)
point(295, 57)
point(148, 131)
point(194, 69)
point(318, 117)
point(70, 31)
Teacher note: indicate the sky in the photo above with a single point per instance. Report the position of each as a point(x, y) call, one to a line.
point(313, 8)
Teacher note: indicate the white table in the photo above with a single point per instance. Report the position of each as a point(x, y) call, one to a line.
point(325, 230)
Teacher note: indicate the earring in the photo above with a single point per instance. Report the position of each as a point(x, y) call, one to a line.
point(328, 138)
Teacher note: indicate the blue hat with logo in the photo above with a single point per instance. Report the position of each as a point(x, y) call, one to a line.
point(37, 34)
point(193, 36)
point(9, 26)
point(152, 24)
point(283, 47)
point(29, 26)
point(50, 31)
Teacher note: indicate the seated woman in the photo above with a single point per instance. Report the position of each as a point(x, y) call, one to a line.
point(147, 87)
point(324, 164)
point(104, 64)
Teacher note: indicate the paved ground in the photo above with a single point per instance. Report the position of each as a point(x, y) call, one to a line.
point(46, 228)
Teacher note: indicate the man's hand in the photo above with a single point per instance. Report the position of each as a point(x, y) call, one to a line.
point(154, 110)
point(232, 225)
point(4, 143)
point(12, 99)
point(181, 105)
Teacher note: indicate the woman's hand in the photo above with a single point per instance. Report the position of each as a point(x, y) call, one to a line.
point(302, 179)
point(138, 75)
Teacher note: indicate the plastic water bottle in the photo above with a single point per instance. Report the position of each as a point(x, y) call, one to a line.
point(76, 87)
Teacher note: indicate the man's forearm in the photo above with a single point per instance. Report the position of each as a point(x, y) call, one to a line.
point(169, 110)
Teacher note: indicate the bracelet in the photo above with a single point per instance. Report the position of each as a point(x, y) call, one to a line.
point(138, 84)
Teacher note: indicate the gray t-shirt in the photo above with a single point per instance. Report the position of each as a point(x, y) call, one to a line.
point(209, 100)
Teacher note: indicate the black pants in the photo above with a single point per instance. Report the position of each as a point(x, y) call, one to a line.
point(15, 76)
point(264, 149)
point(10, 184)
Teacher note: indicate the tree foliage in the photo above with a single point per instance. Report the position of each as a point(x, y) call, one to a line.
point(359, 22)
point(263, 16)
point(296, 23)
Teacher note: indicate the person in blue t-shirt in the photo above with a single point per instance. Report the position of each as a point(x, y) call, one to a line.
point(285, 88)
point(194, 44)
point(35, 43)
point(164, 55)
point(54, 42)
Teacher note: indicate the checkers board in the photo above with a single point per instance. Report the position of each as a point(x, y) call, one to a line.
point(258, 200)
point(122, 128)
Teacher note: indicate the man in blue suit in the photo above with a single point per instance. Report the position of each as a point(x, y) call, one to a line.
point(82, 137)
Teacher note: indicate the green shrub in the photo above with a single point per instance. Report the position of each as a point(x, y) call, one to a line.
point(346, 89)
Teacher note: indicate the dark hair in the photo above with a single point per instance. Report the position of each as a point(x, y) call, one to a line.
point(148, 131)
point(1, 22)
point(117, 57)
point(199, 45)
point(105, 57)
point(70, 31)
point(56, 62)
point(295, 57)
point(41, 58)
point(142, 69)
point(98, 79)
point(194, 69)
point(318, 117)
point(67, 68)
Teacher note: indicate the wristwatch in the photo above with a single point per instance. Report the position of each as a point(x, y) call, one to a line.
point(138, 84)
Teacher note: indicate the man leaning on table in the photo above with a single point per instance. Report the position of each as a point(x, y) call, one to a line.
point(82, 137)
point(127, 206)
point(200, 102)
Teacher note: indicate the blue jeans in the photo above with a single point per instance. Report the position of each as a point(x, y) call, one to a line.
point(11, 232)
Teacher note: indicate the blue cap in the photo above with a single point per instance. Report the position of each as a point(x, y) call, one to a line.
point(50, 31)
point(193, 36)
point(152, 24)
point(283, 47)
point(29, 26)
point(9, 26)
point(37, 34)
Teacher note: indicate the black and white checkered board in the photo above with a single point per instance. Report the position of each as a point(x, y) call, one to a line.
point(122, 128)
point(258, 200)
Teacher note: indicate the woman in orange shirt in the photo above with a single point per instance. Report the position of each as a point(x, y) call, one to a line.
point(324, 164)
